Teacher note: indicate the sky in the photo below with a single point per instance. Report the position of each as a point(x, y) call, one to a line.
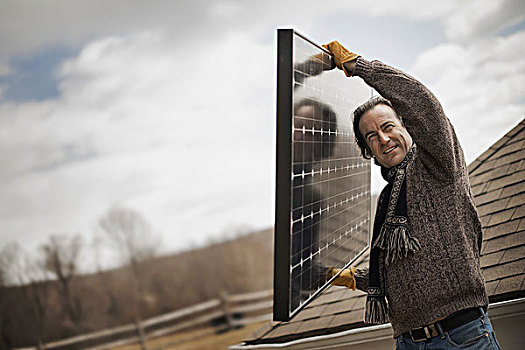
point(168, 107)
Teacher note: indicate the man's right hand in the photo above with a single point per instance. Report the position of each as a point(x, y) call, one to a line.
point(344, 59)
point(346, 278)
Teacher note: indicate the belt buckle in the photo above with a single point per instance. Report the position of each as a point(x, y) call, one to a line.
point(430, 332)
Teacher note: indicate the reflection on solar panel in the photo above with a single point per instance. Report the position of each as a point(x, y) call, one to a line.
point(323, 184)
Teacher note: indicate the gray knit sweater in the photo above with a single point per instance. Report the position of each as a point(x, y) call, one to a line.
point(444, 276)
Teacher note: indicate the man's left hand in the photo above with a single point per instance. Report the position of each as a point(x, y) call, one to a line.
point(346, 278)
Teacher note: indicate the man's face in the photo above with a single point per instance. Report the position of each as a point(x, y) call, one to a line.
point(386, 137)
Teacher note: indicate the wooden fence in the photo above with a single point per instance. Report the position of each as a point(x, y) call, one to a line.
point(225, 313)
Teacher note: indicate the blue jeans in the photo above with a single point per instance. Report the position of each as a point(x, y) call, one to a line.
point(474, 335)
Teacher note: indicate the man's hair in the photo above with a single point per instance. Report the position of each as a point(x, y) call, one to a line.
point(358, 113)
point(327, 115)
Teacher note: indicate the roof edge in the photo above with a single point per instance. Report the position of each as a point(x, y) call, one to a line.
point(506, 297)
point(376, 332)
point(502, 309)
point(314, 333)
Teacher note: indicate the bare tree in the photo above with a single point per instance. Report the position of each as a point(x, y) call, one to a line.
point(113, 308)
point(132, 236)
point(7, 261)
point(18, 269)
point(62, 259)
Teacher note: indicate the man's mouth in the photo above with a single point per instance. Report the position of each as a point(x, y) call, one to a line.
point(390, 149)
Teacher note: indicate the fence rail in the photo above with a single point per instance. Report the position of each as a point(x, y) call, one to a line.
point(224, 313)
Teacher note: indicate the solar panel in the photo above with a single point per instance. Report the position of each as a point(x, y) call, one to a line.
point(322, 183)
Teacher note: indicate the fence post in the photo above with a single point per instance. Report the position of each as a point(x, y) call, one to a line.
point(140, 332)
point(226, 308)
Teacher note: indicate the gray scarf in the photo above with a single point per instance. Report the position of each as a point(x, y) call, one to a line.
point(391, 239)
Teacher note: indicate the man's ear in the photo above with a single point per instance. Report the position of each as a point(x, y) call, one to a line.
point(368, 150)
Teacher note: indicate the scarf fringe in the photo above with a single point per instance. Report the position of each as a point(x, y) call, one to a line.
point(396, 242)
point(376, 311)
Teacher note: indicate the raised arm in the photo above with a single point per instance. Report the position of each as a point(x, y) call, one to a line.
point(422, 113)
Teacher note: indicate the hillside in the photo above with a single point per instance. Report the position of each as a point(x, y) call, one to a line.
point(111, 298)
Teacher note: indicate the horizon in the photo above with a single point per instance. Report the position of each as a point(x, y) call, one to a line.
point(169, 108)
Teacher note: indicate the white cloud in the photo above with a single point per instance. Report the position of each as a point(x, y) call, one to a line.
point(481, 86)
point(4, 68)
point(413, 9)
point(463, 20)
point(227, 9)
point(74, 23)
point(78, 21)
point(186, 22)
point(477, 19)
point(140, 121)
point(169, 106)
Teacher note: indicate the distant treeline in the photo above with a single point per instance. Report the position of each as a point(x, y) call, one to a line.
point(39, 310)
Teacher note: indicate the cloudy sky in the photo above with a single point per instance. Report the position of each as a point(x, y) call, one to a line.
point(168, 107)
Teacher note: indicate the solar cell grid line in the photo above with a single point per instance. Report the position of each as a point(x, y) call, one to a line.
point(337, 207)
point(322, 208)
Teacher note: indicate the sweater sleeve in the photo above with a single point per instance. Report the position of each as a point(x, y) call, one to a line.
point(422, 114)
point(361, 279)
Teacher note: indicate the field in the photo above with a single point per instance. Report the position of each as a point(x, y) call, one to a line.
point(203, 339)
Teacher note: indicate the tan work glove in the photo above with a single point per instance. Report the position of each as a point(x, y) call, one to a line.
point(341, 56)
point(346, 278)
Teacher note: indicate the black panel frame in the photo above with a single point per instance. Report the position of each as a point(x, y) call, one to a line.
point(281, 303)
point(283, 200)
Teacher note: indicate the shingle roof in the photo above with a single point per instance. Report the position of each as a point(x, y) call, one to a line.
point(497, 178)
point(335, 310)
point(498, 184)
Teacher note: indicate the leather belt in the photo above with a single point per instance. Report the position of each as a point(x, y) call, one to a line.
point(455, 320)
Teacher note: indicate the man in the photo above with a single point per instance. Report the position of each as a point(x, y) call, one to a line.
point(426, 238)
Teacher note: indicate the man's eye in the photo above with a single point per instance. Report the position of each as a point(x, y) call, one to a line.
point(372, 137)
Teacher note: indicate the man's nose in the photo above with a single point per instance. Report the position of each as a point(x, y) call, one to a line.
point(383, 138)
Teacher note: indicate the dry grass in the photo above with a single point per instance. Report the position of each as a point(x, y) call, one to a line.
point(202, 339)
